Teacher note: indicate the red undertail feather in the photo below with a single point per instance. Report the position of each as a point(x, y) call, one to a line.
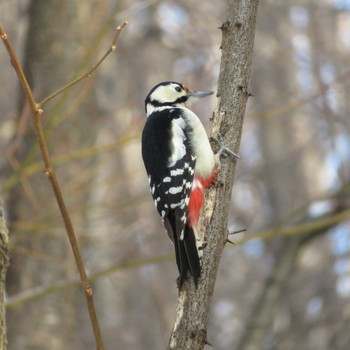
point(197, 197)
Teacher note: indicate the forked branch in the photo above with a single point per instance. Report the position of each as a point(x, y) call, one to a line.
point(112, 48)
point(50, 172)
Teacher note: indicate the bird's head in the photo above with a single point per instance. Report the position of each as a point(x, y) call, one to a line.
point(173, 94)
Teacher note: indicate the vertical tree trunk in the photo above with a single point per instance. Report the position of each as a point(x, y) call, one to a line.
point(190, 328)
point(4, 260)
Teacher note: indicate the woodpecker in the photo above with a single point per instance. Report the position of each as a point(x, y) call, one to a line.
point(180, 165)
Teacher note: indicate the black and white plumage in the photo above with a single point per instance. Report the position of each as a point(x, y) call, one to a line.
point(180, 164)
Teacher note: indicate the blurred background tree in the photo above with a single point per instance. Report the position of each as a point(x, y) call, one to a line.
point(274, 291)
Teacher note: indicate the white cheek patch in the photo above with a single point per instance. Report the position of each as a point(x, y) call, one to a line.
point(166, 94)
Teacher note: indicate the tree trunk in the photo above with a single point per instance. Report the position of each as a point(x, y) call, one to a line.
point(4, 261)
point(190, 328)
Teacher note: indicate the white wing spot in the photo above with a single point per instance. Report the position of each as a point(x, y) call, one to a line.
point(174, 190)
point(167, 179)
point(189, 185)
point(176, 172)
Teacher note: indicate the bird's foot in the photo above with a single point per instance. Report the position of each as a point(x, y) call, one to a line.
point(223, 151)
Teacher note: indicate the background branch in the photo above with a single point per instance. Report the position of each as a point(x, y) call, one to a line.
point(293, 171)
point(112, 48)
point(4, 261)
point(300, 233)
point(51, 175)
point(261, 318)
point(39, 291)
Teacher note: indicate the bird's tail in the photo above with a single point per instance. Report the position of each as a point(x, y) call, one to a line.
point(187, 257)
point(186, 250)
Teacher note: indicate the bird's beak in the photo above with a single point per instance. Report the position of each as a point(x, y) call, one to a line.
point(199, 94)
point(193, 96)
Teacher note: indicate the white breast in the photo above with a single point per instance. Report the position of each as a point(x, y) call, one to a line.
point(199, 141)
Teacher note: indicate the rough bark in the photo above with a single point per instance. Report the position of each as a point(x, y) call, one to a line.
point(190, 328)
point(4, 261)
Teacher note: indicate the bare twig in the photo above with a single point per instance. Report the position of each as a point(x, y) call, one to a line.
point(27, 170)
point(4, 261)
point(263, 310)
point(291, 106)
point(112, 48)
point(50, 173)
point(57, 286)
point(300, 229)
point(237, 232)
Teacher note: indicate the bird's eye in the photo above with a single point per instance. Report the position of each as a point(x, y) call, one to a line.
point(178, 89)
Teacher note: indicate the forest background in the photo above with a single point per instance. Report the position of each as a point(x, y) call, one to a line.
point(286, 284)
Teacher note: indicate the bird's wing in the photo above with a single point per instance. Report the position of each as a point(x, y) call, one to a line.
point(170, 166)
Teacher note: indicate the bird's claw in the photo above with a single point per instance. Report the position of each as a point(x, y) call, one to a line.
point(223, 151)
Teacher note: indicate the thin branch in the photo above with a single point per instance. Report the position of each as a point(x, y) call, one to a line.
point(112, 48)
point(291, 106)
point(51, 175)
point(39, 291)
point(16, 65)
point(263, 310)
point(4, 262)
point(300, 229)
point(28, 170)
point(237, 232)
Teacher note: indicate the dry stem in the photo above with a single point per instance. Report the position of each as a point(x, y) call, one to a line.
point(49, 170)
point(112, 48)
